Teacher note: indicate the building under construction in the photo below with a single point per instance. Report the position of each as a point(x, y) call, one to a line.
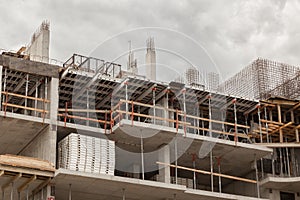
point(86, 130)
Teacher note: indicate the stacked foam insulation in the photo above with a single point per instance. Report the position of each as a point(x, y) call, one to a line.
point(87, 154)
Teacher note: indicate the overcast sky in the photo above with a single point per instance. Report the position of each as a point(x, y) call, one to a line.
point(232, 32)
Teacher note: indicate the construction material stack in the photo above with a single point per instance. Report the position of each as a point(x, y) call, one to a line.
point(87, 154)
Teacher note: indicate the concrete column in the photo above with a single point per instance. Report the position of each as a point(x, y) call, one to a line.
point(166, 112)
point(1, 67)
point(44, 144)
point(53, 96)
point(164, 171)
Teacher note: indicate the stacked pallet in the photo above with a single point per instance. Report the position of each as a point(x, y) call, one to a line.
point(87, 154)
point(182, 181)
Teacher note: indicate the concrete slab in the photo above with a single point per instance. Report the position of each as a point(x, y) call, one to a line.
point(291, 184)
point(100, 187)
point(16, 131)
point(236, 159)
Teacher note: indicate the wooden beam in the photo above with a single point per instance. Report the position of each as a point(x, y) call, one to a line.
point(297, 105)
point(13, 179)
point(24, 185)
point(41, 186)
point(1, 172)
point(208, 173)
point(281, 127)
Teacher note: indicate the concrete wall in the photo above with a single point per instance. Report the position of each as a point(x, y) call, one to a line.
point(275, 194)
point(39, 47)
point(242, 188)
point(43, 146)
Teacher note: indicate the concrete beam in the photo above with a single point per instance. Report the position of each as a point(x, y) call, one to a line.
point(28, 66)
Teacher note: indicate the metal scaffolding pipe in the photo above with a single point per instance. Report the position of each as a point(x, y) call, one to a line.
point(219, 169)
point(123, 190)
point(209, 111)
point(176, 157)
point(194, 166)
point(4, 85)
point(256, 174)
point(211, 171)
point(26, 92)
point(126, 98)
point(87, 107)
point(1, 68)
point(70, 191)
point(153, 100)
point(142, 156)
point(266, 118)
point(12, 191)
point(259, 124)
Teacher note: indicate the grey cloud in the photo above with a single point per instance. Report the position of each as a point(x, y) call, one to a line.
point(233, 32)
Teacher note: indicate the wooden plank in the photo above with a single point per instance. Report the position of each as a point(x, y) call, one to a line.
point(24, 107)
point(281, 127)
point(84, 110)
point(27, 162)
point(271, 122)
point(219, 132)
point(24, 185)
point(153, 117)
point(26, 97)
point(85, 118)
point(216, 121)
point(208, 173)
point(13, 179)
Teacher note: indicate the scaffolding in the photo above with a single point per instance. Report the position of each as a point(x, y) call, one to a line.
point(256, 80)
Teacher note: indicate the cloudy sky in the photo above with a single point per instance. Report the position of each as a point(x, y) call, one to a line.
point(231, 32)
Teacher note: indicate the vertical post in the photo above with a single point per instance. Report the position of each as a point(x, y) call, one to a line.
point(280, 157)
point(273, 163)
point(288, 161)
point(256, 174)
point(197, 113)
point(235, 122)
point(297, 135)
point(194, 166)
point(66, 113)
point(202, 122)
point(153, 100)
point(70, 191)
point(87, 106)
point(27, 193)
point(142, 156)
point(139, 111)
point(3, 194)
point(262, 167)
point(211, 171)
point(46, 95)
point(12, 191)
point(167, 108)
point(123, 190)
point(1, 68)
point(4, 86)
point(209, 112)
point(267, 127)
point(279, 120)
point(184, 110)
point(36, 96)
point(176, 157)
point(126, 98)
point(26, 93)
point(259, 123)
point(219, 168)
